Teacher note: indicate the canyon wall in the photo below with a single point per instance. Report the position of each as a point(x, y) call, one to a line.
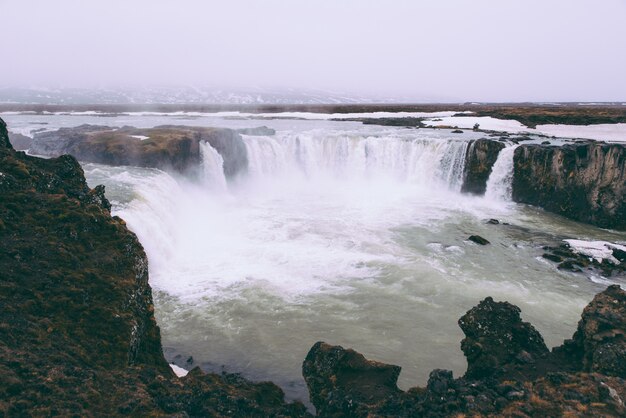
point(581, 181)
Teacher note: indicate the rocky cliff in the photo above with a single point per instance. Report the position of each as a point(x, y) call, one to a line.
point(582, 181)
point(77, 331)
point(174, 148)
point(479, 160)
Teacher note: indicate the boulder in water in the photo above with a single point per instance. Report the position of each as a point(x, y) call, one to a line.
point(478, 240)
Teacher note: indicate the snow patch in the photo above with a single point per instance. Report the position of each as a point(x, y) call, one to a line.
point(598, 250)
point(615, 132)
point(179, 371)
point(140, 137)
point(484, 122)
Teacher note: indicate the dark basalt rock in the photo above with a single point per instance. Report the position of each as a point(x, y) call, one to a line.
point(168, 147)
point(599, 344)
point(478, 240)
point(4, 136)
point(77, 330)
point(343, 383)
point(457, 131)
point(583, 181)
point(496, 337)
point(479, 160)
point(620, 255)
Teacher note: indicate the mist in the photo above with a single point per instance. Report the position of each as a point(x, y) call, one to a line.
point(450, 50)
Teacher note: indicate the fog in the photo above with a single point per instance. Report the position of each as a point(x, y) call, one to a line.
point(559, 50)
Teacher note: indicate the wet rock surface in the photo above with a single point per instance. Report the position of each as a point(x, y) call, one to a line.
point(478, 240)
point(480, 158)
point(168, 147)
point(583, 181)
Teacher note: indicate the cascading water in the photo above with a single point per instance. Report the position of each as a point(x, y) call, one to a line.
point(212, 167)
point(420, 161)
point(500, 183)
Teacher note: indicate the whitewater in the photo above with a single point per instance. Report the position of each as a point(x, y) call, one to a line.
point(350, 234)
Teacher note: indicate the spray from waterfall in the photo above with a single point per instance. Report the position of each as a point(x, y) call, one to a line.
point(500, 183)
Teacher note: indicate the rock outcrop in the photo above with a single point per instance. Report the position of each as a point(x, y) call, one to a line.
point(166, 147)
point(77, 331)
point(344, 382)
point(599, 343)
point(510, 370)
point(496, 337)
point(581, 181)
point(479, 160)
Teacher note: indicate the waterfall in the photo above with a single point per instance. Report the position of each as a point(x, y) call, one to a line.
point(500, 183)
point(213, 167)
point(424, 161)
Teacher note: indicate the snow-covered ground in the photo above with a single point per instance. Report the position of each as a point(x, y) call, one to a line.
point(484, 122)
point(607, 132)
point(599, 250)
point(179, 371)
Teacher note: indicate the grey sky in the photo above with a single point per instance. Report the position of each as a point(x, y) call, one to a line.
point(480, 50)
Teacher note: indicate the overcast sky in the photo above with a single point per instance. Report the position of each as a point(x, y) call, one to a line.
point(482, 50)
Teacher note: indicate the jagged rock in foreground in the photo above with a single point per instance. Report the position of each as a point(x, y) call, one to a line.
point(341, 380)
point(510, 370)
point(479, 160)
point(77, 331)
point(166, 147)
point(495, 337)
point(583, 181)
point(599, 343)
